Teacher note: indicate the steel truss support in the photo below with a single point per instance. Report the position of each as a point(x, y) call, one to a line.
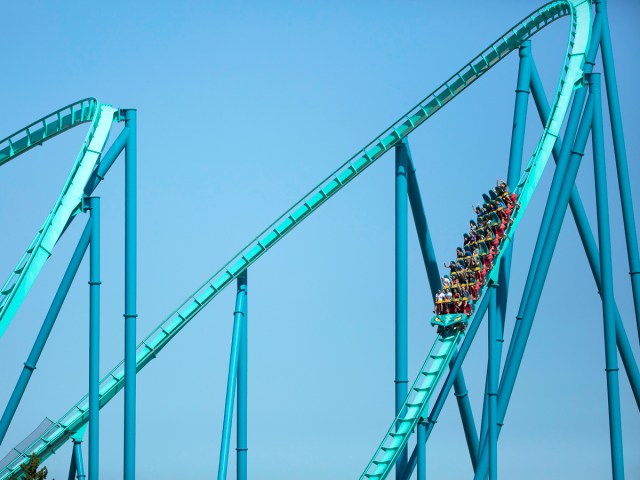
point(45, 330)
point(130, 290)
point(431, 266)
point(239, 328)
point(93, 205)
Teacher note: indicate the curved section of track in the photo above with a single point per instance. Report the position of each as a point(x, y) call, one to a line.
point(88, 110)
point(580, 12)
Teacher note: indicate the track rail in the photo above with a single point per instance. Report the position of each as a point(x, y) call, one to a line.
point(47, 127)
point(25, 273)
point(580, 11)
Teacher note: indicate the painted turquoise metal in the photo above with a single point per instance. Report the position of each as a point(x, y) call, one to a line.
point(401, 287)
point(130, 292)
point(591, 250)
point(93, 205)
point(578, 40)
point(513, 171)
point(606, 271)
point(77, 459)
point(494, 373)
point(421, 449)
point(455, 366)
point(431, 267)
point(511, 369)
point(622, 169)
point(47, 326)
point(393, 137)
point(41, 130)
point(68, 204)
point(423, 387)
point(238, 315)
point(241, 429)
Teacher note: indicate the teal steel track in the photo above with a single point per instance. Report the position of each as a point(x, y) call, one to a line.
point(102, 116)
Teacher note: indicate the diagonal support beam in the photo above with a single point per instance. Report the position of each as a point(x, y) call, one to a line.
point(622, 169)
point(565, 176)
point(431, 266)
point(234, 357)
point(589, 245)
point(45, 330)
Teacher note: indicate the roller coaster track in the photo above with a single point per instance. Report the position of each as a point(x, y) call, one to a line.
point(384, 458)
point(88, 110)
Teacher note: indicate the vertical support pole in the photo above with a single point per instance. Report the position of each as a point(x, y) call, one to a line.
point(421, 448)
point(45, 331)
point(513, 174)
point(77, 458)
point(94, 339)
point(606, 272)
point(590, 248)
point(130, 287)
point(492, 391)
point(241, 434)
point(401, 287)
point(567, 181)
point(561, 166)
point(515, 159)
point(241, 301)
point(72, 465)
point(624, 185)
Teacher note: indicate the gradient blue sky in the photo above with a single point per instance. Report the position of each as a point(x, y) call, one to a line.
point(242, 108)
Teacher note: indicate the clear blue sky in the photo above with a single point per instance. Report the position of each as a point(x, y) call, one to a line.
point(243, 107)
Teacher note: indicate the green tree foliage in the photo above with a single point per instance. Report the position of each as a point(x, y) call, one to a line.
point(30, 469)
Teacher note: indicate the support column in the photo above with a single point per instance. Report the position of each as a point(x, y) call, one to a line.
point(589, 244)
point(45, 331)
point(617, 132)
point(94, 339)
point(401, 287)
point(421, 448)
point(130, 289)
point(519, 344)
point(606, 272)
point(241, 434)
point(77, 458)
point(72, 465)
point(238, 314)
point(513, 174)
point(515, 161)
point(561, 155)
point(494, 372)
